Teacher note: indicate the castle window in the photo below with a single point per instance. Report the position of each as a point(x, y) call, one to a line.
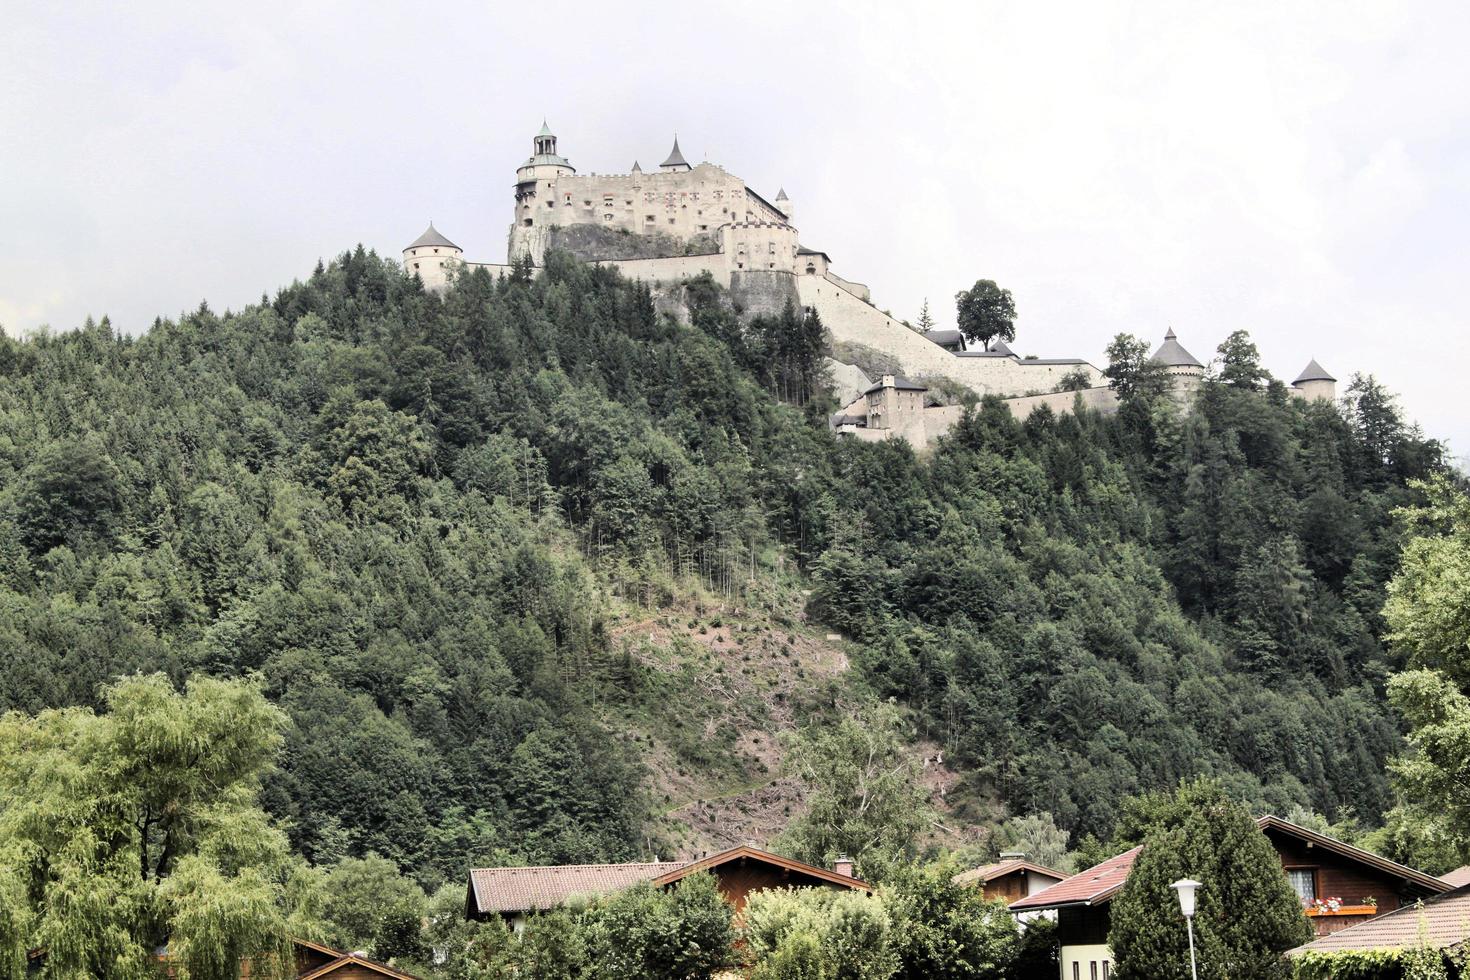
point(436, 251)
point(704, 227)
point(648, 219)
point(607, 217)
point(671, 221)
point(528, 222)
point(551, 204)
point(811, 270)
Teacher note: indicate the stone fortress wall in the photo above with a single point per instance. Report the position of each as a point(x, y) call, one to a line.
point(669, 225)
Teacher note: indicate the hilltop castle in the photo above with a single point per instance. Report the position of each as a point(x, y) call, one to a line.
point(682, 220)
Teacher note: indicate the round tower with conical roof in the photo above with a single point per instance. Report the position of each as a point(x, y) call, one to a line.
point(784, 205)
point(433, 258)
point(1185, 372)
point(1314, 384)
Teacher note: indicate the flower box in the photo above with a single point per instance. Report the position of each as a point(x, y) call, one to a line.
point(1344, 910)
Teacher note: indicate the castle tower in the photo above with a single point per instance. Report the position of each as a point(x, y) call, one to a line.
point(536, 204)
point(1184, 371)
point(783, 204)
point(1314, 384)
point(676, 161)
point(433, 257)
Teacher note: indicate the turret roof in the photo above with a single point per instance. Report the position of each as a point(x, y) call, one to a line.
point(1172, 353)
point(676, 159)
point(1313, 372)
point(432, 237)
point(545, 130)
point(781, 195)
point(636, 169)
point(998, 346)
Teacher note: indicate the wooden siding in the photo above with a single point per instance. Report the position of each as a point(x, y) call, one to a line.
point(1007, 887)
point(738, 879)
point(1339, 877)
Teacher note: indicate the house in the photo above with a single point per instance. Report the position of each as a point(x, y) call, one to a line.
point(1339, 886)
point(312, 960)
point(315, 960)
point(1009, 879)
point(514, 893)
point(1443, 922)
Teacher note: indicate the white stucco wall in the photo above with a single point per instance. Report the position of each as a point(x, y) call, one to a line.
point(1101, 399)
point(849, 318)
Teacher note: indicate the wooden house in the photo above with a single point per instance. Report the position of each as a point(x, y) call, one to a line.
point(514, 893)
point(1010, 879)
point(1339, 886)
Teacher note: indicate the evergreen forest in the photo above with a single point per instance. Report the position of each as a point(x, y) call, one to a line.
point(423, 523)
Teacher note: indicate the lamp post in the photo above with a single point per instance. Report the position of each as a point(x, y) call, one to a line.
point(1185, 887)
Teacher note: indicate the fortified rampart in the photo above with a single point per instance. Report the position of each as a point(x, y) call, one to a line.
point(681, 221)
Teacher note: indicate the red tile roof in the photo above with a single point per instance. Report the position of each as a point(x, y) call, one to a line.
point(539, 888)
point(1096, 884)
point(1445, 920)
point(990, 872)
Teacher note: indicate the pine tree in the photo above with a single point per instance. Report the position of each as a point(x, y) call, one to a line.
point(926, 320)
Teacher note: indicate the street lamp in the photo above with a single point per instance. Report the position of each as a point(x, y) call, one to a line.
point(1186, 888)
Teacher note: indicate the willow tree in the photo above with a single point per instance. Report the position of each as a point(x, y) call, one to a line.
point(139, 828)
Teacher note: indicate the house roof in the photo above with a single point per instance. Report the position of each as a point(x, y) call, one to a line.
point(676, 158)
point(432, 237)
point(1428, 884)
point(1171, 353)
point(942, 337)
point(342, 959)
point(900, 383)
point(990, 872)
point(532, 888)
point(803, 250)
point(1445, 920)
point(506, 890)
point(1313, 372)
point(1100, 883)
point(1456, 878)
point(1097, 884)
point(746, 852)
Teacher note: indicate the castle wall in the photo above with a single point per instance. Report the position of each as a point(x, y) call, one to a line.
point(681, 203)
point(763, 291)
point(849, 318)
point(1101, 399)
point(750, 245)
point(673, 268)
point(1315, 391)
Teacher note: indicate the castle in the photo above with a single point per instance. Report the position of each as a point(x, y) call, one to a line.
point(682, 220)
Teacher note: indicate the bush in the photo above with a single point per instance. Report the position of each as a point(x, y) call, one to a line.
point(819, 934)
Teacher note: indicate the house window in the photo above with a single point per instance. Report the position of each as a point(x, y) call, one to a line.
point(1076, 970)
point(1304, 883)
point(1107, 970)
point(1094, 970)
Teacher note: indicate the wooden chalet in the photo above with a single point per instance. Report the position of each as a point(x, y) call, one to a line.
point(514, 893)
point(1010, 879)
point(1339, 886)
point(312, 960)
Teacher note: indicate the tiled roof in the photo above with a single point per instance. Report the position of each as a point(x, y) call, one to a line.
point(528, 889)
point(990, 872)
point(1172, 353)
point(1097, 883)
point(508, 890)
point(432, 237)
point(1313, 372)
point(1445, 920)
point(1456, 878)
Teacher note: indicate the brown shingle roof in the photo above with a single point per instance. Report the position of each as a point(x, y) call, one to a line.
point(536, 888)
point(1097, 884)
point(1445, 918)
point(511, 890)
point(990, 872)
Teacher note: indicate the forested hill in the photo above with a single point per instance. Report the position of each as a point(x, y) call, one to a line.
point(425, 524)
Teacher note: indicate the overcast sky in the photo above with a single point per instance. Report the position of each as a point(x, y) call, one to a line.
point(1301, 170)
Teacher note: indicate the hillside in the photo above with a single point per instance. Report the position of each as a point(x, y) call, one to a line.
point(540, 574)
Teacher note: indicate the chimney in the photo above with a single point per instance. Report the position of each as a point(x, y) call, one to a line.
point(843, 866)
